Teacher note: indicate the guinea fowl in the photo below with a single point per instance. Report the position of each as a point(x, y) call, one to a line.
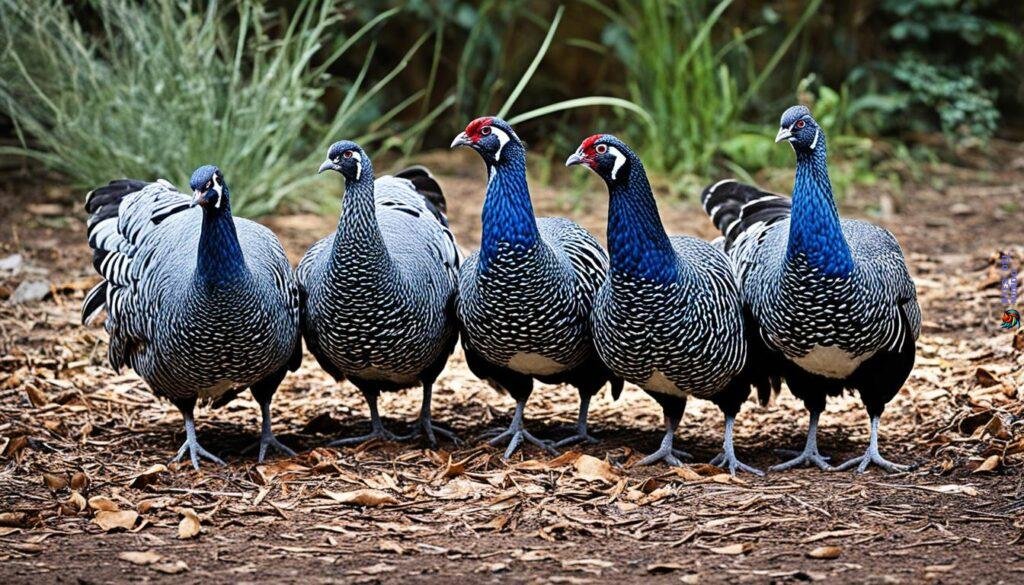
point(830, 299)
point(525, 297)
point(669, 316)
point(199, 303)
point(378, 294)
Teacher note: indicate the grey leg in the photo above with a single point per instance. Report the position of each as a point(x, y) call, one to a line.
point(727, 458)
point(581, 436)
point(426, 426)
point(191, 445)
point(872, 455)
point(516, 434)
point(810, 453)
point(267, 438)
point(665, 452)
point(377, 430)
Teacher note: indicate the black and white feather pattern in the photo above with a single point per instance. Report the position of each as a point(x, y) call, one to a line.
point(186, 340)
point(379, 292)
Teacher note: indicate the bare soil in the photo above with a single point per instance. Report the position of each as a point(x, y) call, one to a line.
point(86, 494)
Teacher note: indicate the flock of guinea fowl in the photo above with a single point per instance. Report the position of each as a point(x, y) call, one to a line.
point(654, 311)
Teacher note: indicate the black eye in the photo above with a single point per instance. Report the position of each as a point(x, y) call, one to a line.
point(601, 149)
point(348, 154)
point(800, 123)
point(485, 130)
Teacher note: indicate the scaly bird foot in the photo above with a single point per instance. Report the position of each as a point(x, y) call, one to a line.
point(806, 458)
point(579, 437)
point(515, 437)
point(378, 433)
point(666, 454)
point(869, 457)
point(426, 427)
point(731, 463)
point(196, 451)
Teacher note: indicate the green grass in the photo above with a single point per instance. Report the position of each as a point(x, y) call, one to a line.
point(166, 86)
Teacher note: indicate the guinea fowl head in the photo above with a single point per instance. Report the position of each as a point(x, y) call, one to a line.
point(800, 129)
point(347, 158)
point(492, 138)
point(607, 156)
point(208, 187)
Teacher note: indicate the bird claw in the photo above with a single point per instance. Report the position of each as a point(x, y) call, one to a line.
point(579, 437)
point(516, 436)
point(794, 453)
point(426, 427)
point(871, 456)
point(378, 433)
point(269, 440)
point(196, 451)
point(807, 457)
point(668, 455)
point(731, 463)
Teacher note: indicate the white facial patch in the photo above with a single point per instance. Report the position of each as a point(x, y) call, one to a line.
point(359, 163)
point(815, 141)
point(218, 189)
point(620, 159)
point(503, 139)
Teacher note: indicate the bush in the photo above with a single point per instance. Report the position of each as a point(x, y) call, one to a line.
point(162, 87)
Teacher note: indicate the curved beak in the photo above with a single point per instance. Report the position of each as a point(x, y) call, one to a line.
point(197, 198)
point(328, 165)
point(784, 134)
point(576, 158)
point(461, 140)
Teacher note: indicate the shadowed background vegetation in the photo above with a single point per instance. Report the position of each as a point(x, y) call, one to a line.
point(113, 88)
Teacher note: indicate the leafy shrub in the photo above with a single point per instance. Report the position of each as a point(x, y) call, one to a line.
point(165, 86)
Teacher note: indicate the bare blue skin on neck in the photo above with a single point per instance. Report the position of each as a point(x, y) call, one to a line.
point(637, 242)
point(219, 262)
point(814, 230)
point(507, 215)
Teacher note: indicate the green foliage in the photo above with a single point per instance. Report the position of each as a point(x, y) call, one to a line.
point(954, 56)
point(166, 86)
point(695, 89)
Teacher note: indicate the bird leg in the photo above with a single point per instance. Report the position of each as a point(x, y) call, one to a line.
point(872, 455)
point(665, 452)
point(516, 433)
point(377, 430)
point(267, 438)
point(581, 425)
point(426, 426)
point(727, 458)
point(191, 445)
point(810, 454)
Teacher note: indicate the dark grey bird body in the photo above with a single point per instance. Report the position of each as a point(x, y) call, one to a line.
point(830, 302)
point(378, 293)
point(200, 304)
point(669, 317)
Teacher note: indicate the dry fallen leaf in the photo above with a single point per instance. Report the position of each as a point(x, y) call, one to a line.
point(108, 520)
point(54, 481)
point(171, 568)
point(825, 552)
point(77, 501)
point(148, 477)
point(362, 497)
point(102, 504)
point(989, 464)
point(589, 468)
point(189, 527)
point(140, 557)
point(13, 519)
point(734, 549)
point(79, 481)
point(951, 488)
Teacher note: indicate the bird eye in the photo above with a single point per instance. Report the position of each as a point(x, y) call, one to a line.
point(348, 154)
point(485, 130)
point(800, 123)
point(208, 185)
point(601, 149)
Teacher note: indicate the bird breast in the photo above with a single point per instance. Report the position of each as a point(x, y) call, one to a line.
point(830, 361)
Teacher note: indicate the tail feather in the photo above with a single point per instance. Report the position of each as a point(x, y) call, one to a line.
point(735, 207)
point(94, 302)
point(428, 187)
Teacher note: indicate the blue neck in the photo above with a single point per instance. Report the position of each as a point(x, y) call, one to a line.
point(637, 243)
point(814, 231)
point(508, 213)
point(220, 262)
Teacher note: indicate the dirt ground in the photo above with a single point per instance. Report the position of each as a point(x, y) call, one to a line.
point(86, 494)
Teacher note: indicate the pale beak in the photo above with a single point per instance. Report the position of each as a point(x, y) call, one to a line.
point(784, 134)
point(327, 166)
point(461, 140)
point(575, 158)
point(197, 198)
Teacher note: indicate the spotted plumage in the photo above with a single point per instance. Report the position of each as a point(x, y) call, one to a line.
point(526, 295)
point(669, 316)
point(379, 292)
point(200, 304)
point(830, 300)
